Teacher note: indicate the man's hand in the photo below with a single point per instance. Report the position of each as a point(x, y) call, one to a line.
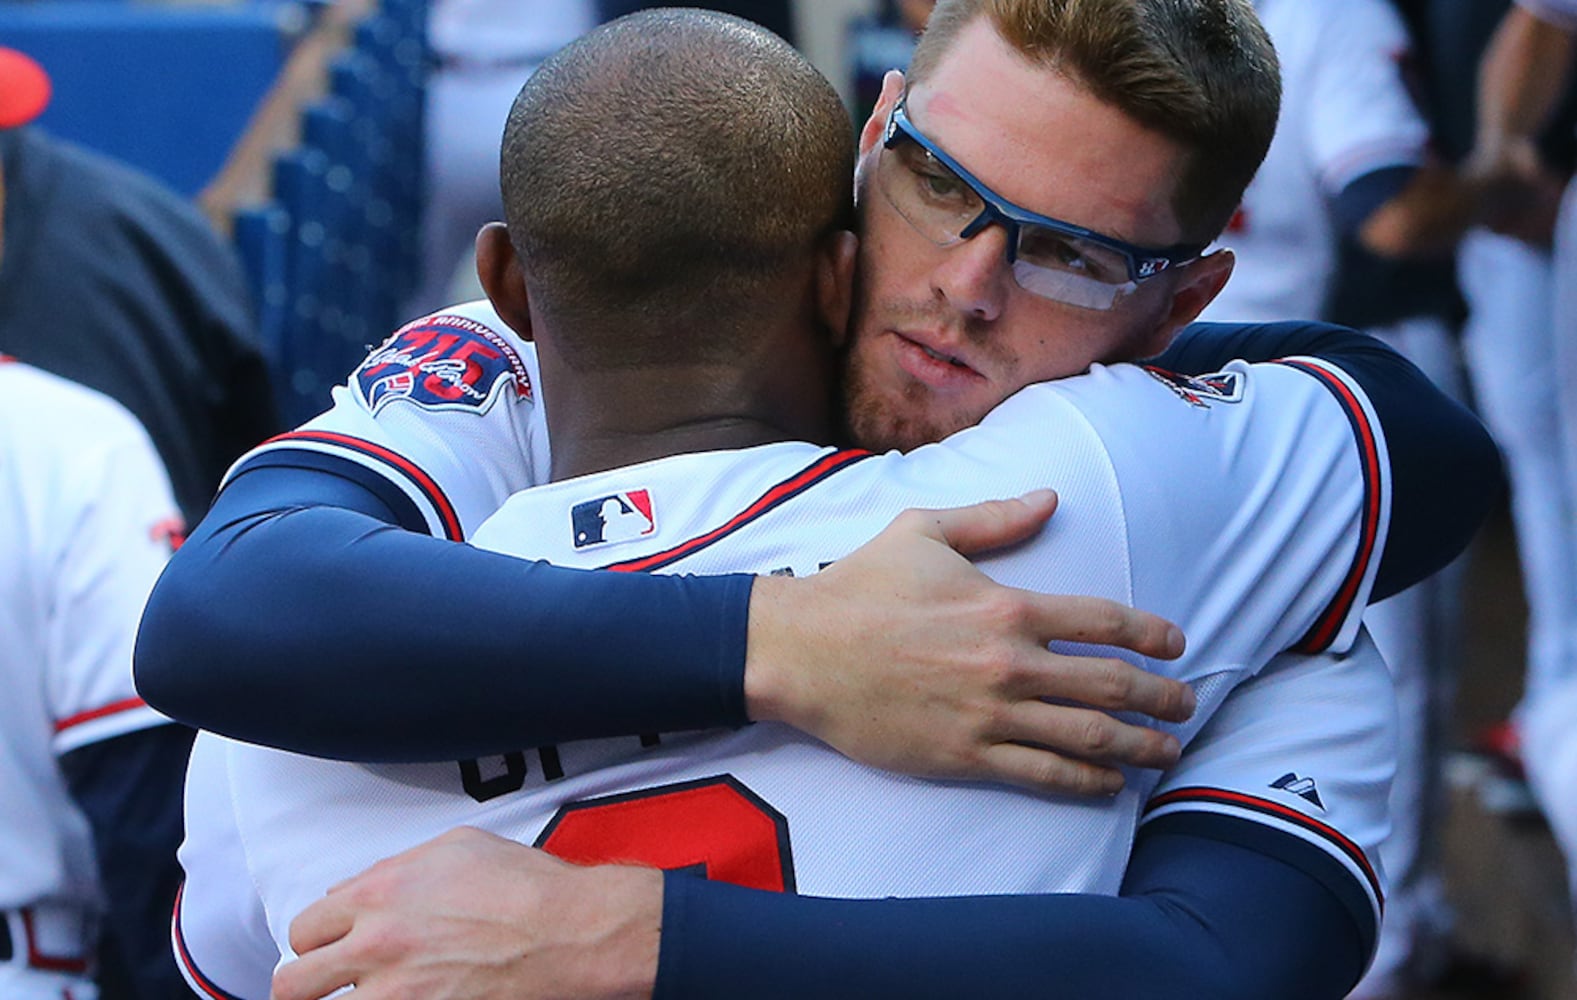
point(904, 656)
point(470, 916)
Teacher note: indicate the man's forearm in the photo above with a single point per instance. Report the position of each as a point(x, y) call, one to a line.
point(1522, 77)
point(1197, 918)
point(327, 630)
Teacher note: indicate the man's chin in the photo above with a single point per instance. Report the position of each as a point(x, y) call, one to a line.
point(882, 428)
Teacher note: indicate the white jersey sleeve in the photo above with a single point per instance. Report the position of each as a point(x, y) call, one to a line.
point(442, 421)
point(90, 522)
point(1308, 748)
point(1361, 115)
point(118, 543)
point(1255, 501)
point(1345, 112)
point(219, 930)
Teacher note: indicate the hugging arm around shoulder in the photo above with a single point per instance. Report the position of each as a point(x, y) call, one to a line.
point(295, 569)
point(306, 613)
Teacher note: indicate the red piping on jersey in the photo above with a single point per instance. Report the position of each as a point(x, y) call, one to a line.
point(787, 490)
point(124, 705)
point(413, 472)
point(1291, 815)
point(1324, 629)
point(206, 985)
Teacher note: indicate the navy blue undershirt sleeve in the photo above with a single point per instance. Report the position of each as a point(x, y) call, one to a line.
point(129, 788)
point(300, 615)
point(1446, 471)
point(1353, 205)
point(1197, 917)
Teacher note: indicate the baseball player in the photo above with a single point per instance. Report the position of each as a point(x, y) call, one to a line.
point(1349, 139)
point(1523, 76)
point(788, 484)
point(90, 776)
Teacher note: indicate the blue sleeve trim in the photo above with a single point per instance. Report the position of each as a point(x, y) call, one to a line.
point(1351, 208)
point(391, 505)
point(1318, 864)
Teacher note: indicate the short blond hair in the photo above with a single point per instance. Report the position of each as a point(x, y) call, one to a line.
point(1203, 73)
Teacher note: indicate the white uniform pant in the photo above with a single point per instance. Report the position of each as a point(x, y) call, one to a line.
point(1548, 714)
point(1511, 352)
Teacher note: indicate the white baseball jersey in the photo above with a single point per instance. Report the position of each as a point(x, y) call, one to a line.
point(1205, 518)
point(1345, 112)
point(86, 525)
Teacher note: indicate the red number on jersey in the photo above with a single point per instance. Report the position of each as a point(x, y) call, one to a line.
point(716, 826)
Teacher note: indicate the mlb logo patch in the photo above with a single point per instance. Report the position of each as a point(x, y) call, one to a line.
point(618, 517)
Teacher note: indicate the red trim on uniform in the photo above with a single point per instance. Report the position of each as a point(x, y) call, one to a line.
point(1291, 815)
point(774, 497)
point(184, 956)
point(124, 705)
point(48, 963)
point(412, 471)
point(1323, 631)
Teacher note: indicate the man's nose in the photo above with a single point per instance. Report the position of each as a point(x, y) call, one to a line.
point(973, 276)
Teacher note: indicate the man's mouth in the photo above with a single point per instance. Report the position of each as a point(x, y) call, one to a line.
point(934, 367)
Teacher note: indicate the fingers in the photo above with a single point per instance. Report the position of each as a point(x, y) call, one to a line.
point(322, 923)
point(1101, 622)
point(313, 975)
point(992, 524)
point(1043, 771)
point(1091, 735)
point(1108, 683)
point(1089, 745)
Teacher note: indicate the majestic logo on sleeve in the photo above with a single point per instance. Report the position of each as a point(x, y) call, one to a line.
point(1301, 787)
point(616, 518)
point(442, 363)
point(1200, 390)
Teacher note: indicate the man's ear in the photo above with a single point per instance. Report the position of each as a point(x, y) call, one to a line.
point(503, 277)
point(892, 89)
point(1198, 284)
point(835, 282)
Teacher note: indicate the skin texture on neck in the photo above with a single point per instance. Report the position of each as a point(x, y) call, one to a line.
point(778, 385)
point(616, 418)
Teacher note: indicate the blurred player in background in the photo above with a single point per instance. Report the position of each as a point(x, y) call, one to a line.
point(116, 283)
point(90, 776)
point(1522, 80)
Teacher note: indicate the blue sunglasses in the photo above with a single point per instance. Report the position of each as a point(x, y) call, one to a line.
point(1049, 257)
